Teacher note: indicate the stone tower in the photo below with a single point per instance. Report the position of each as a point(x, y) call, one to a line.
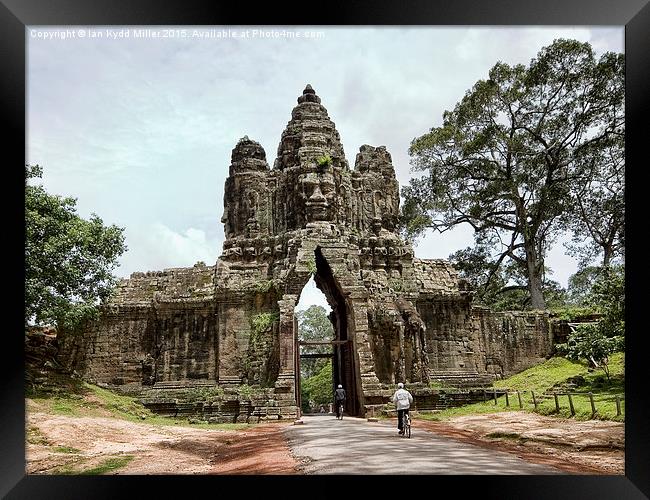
point(231, 325)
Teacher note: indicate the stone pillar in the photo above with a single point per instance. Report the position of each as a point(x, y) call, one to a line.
point(285, 385)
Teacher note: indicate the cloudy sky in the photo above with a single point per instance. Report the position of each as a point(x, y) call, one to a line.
point(139, 123)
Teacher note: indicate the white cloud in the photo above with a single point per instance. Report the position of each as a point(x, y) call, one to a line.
point(311, 295)
point(161, 247)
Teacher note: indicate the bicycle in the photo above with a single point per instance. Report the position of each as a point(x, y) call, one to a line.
point(339, 414)
point(406, 425)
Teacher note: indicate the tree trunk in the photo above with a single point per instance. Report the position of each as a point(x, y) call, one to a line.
point(607, 256)
point(534, 277)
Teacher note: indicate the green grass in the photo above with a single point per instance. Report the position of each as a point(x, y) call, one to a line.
point(75, 398)
point(560, 375)
point(35, 436)
point(89, 400)
point(108, 465)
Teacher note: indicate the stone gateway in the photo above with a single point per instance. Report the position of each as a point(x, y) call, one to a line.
point(221, 341)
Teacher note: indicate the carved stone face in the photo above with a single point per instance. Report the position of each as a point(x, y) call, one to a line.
point(317, 192)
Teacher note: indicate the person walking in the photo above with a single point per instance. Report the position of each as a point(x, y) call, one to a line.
point(339, 400)
point(403, 401)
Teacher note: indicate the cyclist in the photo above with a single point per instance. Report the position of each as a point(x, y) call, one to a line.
point(339, 399)
point(403, 401)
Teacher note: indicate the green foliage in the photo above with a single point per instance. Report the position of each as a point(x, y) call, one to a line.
point(245, 391)
point(311, 265)
point(581, 284)
point(608, 298)
point(204, 394)
point(264, 286)
point(590, 342)
point(68, 260)
point(596, 342)
point(396, 284)
point(572, 313)
point(319, 387)
point(501, 286)
point(599, 227)
point(324, 161)
point(511, 158)
point(314, 326)
point(262, 323)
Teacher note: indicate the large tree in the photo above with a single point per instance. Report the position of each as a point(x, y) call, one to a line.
point(598, 221)
point(507, 158)
point(68, 260)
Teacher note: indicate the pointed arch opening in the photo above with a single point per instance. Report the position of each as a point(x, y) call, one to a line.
point(335, 347)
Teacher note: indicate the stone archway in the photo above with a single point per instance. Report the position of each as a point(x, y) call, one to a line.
point(345, 368)
point(345, 362)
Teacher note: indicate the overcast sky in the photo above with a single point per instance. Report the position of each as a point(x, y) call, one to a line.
point(140, 129)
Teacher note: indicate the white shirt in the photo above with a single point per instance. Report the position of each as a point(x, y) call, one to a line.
point(402, 399)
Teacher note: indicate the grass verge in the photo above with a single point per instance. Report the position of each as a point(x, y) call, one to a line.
point(555, 375)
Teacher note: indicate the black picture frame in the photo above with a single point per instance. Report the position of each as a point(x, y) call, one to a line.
point(15, 15)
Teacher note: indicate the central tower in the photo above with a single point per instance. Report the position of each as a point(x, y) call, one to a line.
point(312, 214)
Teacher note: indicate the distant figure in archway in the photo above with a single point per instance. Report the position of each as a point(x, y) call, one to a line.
point(339, 399)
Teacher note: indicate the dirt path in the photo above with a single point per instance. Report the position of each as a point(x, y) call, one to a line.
point(80, 443)
point(577, 447)
point(57, 442)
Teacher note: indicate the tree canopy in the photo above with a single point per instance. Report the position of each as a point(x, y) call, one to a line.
point(516, 156)
point(68, 260)
point(314, 326)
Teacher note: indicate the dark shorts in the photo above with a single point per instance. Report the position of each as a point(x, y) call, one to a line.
point(400, 413)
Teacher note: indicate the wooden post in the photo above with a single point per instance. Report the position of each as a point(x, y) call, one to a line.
point(557, 404)
point(495, 396)
point(534, 400)
point(519, 398)
point(507, 401)
point(593, 406)
point(484, 396)
point(618, 406)
point(573, 412)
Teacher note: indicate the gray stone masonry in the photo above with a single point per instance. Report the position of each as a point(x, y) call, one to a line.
point(229, 329)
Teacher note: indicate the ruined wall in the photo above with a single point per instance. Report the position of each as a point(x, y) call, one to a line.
point(158, 326)
point(511, 341)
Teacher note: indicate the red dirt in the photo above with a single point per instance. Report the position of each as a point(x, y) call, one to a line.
point(576, 447)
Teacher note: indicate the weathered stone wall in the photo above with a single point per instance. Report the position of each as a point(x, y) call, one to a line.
point(158, 326)
point(119, 350)
point(230, 328)
point(512, 341)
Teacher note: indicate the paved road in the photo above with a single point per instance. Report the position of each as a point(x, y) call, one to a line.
point(355, 446)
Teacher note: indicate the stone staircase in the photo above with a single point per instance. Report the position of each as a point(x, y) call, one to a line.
point(459, 378)
point(184, 384)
